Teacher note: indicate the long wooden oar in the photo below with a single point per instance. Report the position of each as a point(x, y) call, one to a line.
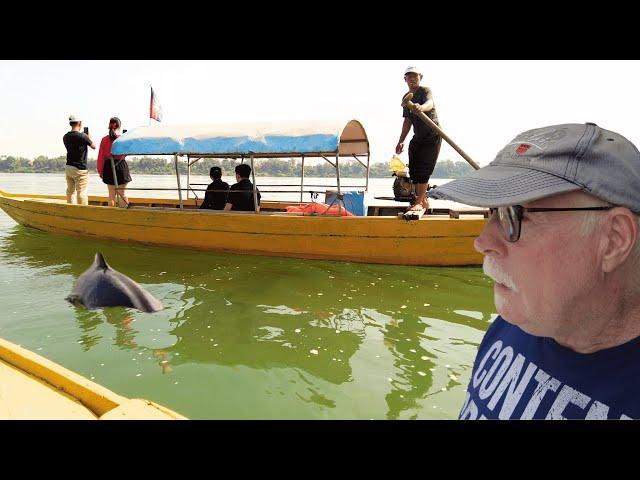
point(407, 103)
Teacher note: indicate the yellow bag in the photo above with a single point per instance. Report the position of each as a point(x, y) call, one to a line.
point(396, 165)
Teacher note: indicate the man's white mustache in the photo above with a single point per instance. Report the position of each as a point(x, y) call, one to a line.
point(491, 270)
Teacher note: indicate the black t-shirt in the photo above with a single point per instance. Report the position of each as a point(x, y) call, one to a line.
point(422, 131)
point(76, 144)
point(216, 200)
point(242, 201)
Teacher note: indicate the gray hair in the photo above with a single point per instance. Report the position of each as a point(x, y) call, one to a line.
point(591, 220)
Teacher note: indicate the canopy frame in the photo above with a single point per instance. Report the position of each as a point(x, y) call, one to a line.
point(352, 142)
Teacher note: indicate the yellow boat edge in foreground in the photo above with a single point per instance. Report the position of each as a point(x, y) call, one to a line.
point(101, 402)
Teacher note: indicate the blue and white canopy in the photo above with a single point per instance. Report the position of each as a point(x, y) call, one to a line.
point(258, 140)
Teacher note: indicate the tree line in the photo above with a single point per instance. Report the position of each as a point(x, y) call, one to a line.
point(271, 167)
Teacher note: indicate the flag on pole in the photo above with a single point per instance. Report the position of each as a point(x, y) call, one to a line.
point(155, 110)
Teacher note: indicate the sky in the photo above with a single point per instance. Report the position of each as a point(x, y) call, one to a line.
point(481, 104)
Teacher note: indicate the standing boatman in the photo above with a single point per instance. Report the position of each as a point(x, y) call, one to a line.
point(425, 144)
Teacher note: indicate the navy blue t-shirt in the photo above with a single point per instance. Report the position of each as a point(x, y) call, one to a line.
point(521, 376)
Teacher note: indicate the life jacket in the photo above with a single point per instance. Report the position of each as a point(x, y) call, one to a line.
point(315, 208)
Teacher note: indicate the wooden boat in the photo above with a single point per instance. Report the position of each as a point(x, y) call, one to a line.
point(441, 237)
point(32, 387)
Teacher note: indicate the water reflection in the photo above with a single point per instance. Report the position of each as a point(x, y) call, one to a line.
point(163, 360)
point(241, 333)
point(399, 335)
point(121, 319)
point(413, 363)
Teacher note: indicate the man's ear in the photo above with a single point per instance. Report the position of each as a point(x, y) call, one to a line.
point(621, 231)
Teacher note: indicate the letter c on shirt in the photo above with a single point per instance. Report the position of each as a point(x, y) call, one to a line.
point(493, 351)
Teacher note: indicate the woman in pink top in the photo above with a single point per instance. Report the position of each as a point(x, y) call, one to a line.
point(105, 164)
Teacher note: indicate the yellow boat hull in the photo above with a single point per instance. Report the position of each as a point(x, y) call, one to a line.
point(39, 389)
point(432, 241)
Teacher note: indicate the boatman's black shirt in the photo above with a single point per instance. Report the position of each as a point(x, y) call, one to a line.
point(422, 131)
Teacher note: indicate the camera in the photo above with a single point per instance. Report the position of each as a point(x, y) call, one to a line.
point(124, 131)
point(86, 130)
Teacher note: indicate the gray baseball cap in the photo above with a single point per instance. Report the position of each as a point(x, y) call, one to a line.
point(74, 118)
point(551, 160)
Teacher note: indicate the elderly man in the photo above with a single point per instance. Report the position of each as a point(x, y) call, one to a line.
point(562, 247)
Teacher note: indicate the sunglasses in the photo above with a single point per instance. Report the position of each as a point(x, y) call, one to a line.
point(511, 217)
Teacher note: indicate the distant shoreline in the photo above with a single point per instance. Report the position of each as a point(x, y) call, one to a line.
point(264, 167)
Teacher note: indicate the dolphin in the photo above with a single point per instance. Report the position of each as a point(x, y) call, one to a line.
point(102, 286)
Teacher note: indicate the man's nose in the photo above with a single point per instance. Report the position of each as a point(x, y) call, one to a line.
point(491, 239)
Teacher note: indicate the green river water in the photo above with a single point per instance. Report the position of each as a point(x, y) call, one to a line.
point(246, 337)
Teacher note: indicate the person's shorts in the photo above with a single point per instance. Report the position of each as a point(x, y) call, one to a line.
point(422, 159)
point(122, 172)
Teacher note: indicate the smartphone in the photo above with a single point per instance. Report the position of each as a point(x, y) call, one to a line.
point(86, 130)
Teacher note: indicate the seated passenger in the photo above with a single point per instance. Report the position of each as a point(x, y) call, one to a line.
point(215, 197)
point(241, 194)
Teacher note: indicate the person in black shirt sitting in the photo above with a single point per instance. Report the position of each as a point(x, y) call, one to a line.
point(241, 193)
point(216, 196)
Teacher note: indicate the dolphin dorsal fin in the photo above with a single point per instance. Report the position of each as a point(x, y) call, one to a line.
point(100, 262)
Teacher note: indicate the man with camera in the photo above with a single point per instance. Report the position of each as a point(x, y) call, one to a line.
point(76, 173)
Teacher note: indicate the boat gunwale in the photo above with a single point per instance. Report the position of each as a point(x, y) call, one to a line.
point(361, 234)
point(97, 399)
